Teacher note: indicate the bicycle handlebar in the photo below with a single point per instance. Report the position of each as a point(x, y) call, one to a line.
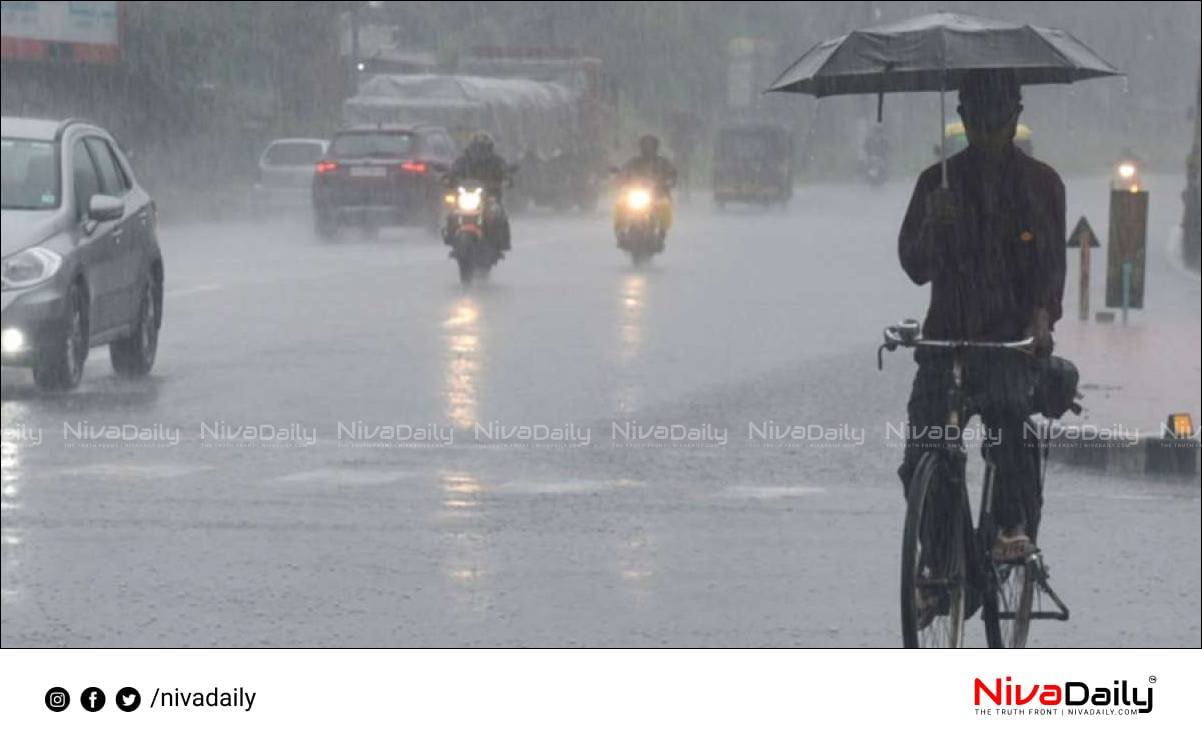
point(895, 338)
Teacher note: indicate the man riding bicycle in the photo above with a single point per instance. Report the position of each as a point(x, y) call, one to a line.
point(991, 244)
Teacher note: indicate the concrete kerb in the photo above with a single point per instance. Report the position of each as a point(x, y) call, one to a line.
point(1143, 454)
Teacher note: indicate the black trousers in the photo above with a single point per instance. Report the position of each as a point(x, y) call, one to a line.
point(998, 385)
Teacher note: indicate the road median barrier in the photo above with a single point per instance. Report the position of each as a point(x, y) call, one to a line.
point(1124, 451)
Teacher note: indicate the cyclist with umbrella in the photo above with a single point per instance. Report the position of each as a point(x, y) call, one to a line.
point(985, 228)
point(991, 244)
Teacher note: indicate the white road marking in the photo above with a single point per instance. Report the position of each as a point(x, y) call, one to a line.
point(771, 491)
point(133, 471)
point(563, 487)
point(339, 476)
point(1164, 498)
point(193, 290)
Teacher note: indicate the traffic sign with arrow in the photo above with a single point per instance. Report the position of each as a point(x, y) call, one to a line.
point(1084, 238)
point(1082, 235)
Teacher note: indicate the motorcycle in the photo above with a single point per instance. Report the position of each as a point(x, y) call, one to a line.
point(473, 215)
point(875, 169)
point(639, 222)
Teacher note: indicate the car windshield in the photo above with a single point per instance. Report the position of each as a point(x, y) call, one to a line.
point(30, 174)
point(372, 144)
point(293, 153)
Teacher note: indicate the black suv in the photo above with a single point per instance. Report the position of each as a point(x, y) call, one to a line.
point(380, 176)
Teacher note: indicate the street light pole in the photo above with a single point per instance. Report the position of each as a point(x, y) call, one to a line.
point(354, 23)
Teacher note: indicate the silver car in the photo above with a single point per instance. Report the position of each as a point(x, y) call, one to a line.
point(286, 170)
point(81, 265)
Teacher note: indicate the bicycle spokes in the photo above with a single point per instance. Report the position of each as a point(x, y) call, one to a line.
point(1015, 589)
point(939, 585)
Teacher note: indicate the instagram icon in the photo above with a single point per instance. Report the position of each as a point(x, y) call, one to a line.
point(57, 699)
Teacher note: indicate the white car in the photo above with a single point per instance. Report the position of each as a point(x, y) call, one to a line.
point(286, 170)
point(81, 262)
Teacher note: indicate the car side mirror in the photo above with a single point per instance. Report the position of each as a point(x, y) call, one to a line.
point(105, 208)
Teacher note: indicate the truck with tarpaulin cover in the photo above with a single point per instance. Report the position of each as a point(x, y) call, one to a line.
point(550, 114)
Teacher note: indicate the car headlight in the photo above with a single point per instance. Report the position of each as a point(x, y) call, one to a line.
point(469, 201)
point(12, 340)
point(1127, 171)
point(638, 199)
point(30, 266)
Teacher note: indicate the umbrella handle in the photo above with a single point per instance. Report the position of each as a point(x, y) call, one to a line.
point(942, 139)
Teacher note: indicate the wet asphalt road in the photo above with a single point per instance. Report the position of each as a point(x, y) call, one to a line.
point(180, 529)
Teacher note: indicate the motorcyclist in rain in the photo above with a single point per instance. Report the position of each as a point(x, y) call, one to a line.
point(991, 245)
point(481, 162)
point(652, 167)
point(875, 157)
point(876, 144)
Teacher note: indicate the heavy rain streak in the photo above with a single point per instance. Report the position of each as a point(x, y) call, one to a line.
point(558, 324)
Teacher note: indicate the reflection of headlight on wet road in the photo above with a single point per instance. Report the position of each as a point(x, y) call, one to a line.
point(462, 340)
point(634, 289)
point(465, 313)
point(638, 199)
point(633, 301)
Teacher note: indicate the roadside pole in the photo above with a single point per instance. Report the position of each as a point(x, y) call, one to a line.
point(1083, 303)
point(1127, 270)
point(1126, 249)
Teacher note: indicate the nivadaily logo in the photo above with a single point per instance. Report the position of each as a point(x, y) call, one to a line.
point(1071, 697)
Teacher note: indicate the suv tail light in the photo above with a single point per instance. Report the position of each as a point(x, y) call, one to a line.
point(327, 166)
point(414, 166)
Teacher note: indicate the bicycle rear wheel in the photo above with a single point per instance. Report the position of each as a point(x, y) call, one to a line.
point(934, 571)
point(1010, 586)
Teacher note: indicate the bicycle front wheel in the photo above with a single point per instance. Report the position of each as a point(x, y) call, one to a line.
point(934, 564)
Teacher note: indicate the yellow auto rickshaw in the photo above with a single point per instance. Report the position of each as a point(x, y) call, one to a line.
point(753, 164)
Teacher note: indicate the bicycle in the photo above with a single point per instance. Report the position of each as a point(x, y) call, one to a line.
point(948, 566)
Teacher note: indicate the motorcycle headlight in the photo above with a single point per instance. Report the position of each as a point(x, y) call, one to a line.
point(1127, 171)
point(469, 201)
point(29, 267)
point(638, 199)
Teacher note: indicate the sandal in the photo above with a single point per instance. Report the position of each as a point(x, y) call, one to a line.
point(1012, 545)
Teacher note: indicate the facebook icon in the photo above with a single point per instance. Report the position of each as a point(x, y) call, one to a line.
point(92, 699)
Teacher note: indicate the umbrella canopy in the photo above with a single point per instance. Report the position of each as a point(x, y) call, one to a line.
point(932, 52)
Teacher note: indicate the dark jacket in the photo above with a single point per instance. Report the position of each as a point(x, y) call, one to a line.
point(658, 170)
point(1004, 257)
point(488, 168)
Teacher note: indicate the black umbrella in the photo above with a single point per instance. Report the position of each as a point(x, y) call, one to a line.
point(933, 52)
